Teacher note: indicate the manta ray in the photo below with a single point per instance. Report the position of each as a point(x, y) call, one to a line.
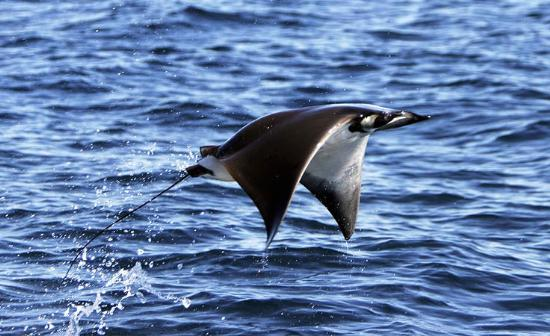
point(321, 147)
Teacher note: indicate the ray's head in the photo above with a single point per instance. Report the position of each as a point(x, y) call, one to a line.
point(378, 119)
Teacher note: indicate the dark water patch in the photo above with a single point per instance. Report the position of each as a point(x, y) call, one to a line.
point(114, 130)
point(531, 93)
point(221, 48)
point(61, 108)
point(97, 145)
point(304, 102)
point(429, 301)
point(473, 82)
point(428, 22)
point(537, 130)
point(19, 213)
point(140, 328)
point(445, 55)
point(11, 154)
point(309, 224)
point(465, 281)
point(491, 130)
point(110, 69)
point(291, 23)
point(397, 35)
point(284, 54)
point(212, 64)
point(26, 41)
point(175, 236)
point(11, 116)
point(159, 26)
point(375, 53)
point(180, 108)
point(35, 255)
point(405, 84)
point(313, 90)
point(85, 25)
point(521, 64)
point(164, 50)
point(391, 309)
point(526, 303)
point(157, 62)
point(276, 78)
point(433, 199)
point(221, 16)
point(515, 325)
point(535, 14)
point(18, 88)
point(357, 67)
point(74, 86)
point(124, 179)
point(500, 220)
point(536, 208)
point(290, 310)
point(476, 174)
point(392, 244)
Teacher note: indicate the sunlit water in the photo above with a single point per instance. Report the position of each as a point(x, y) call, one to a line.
point(102, 102)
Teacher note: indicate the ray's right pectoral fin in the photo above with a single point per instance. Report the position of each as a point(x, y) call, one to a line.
point(336, 181)
point(340, 197)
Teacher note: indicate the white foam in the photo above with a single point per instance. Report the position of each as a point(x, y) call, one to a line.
point(135, 282)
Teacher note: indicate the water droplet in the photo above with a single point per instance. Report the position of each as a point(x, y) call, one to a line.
point(186, 302)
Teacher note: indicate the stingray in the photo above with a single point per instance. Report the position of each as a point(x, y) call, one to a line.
point(321, 147)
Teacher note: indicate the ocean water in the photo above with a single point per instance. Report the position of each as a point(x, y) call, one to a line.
point(103, 102)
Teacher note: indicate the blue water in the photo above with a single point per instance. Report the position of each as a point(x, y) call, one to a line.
point(102, 102)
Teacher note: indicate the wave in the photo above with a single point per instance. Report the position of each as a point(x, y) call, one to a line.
point(171, 108)
point(533, 131)
point(79, 85)
point(397, 35)
point(97, 145)
point(232, 17)
point(26, 41)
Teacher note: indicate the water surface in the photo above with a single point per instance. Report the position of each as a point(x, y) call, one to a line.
point(102, 102)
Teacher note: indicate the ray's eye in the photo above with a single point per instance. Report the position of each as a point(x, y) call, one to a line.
point(381, 121)
point(355, 125)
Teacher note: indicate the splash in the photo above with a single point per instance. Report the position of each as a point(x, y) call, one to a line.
point(134, 282)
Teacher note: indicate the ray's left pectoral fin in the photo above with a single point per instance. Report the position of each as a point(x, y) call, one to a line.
point(270, 184)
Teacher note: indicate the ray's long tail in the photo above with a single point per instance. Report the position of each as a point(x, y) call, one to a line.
point(192, 171)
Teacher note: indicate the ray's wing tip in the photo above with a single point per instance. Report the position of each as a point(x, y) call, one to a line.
point(347, 233)
point(270, 236)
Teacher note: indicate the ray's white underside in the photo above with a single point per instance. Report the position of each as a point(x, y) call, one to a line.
point(341, 156)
